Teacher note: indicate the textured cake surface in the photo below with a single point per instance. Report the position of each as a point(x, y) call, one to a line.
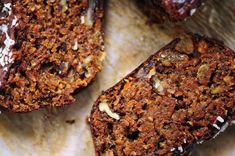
point(48, 50)
point(173, 10)
point(182, 95)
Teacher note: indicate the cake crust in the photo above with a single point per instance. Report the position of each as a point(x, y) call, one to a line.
point(54, 48)
point(180, 96)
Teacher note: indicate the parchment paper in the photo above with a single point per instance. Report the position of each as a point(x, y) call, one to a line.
point(129, 41)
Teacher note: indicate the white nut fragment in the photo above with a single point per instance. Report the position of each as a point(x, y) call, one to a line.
point(102, 56)
point(103, 107)
point(220, 119)
point(180, 148)
point(64, 5)
point(82, 19)
point(89, 20)
point(14, 22)
point(88, 59)
point(173, 149)
point(75, 46)
point(151, 73)
point(158, 85)
point(216, 126)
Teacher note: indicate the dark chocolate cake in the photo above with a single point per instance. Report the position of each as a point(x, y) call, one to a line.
point(182, 95)
point(48, 50)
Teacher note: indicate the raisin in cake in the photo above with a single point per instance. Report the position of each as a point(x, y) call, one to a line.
point(173, 10)
point(181, 95)
point(48, 50)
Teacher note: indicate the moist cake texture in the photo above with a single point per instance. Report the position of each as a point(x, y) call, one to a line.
point(48, 50)
point(182, 95)
point(172, 10)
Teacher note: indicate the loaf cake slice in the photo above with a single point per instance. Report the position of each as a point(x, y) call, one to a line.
point(168, 10)
point(48, 50)
point(181, 95)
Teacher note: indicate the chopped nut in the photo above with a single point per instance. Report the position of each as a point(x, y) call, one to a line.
point(63, 3)
point(216, 90)
point(88, 59)
point(103, 107)
point(228, 79)
point(145, 146)
point(190, 123)
point(168, 58)
point(202, 47)
point(150, 118)
point(158, 85)
point(82, 19)
point(185, 45)
point(133, 153)
point(102, 56)
point(172, 91)
point(202, 74)
point(151, 72)
point(75, 46)
point(166, 63)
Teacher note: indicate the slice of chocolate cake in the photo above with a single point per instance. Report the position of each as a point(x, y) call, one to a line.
point(173, 10)
point(182, 95)
point(48, 50)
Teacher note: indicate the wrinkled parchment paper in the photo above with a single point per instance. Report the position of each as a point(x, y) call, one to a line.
point(129, 41)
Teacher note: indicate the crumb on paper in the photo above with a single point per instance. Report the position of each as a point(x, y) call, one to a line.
point(192, 12)
point(70, 121)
